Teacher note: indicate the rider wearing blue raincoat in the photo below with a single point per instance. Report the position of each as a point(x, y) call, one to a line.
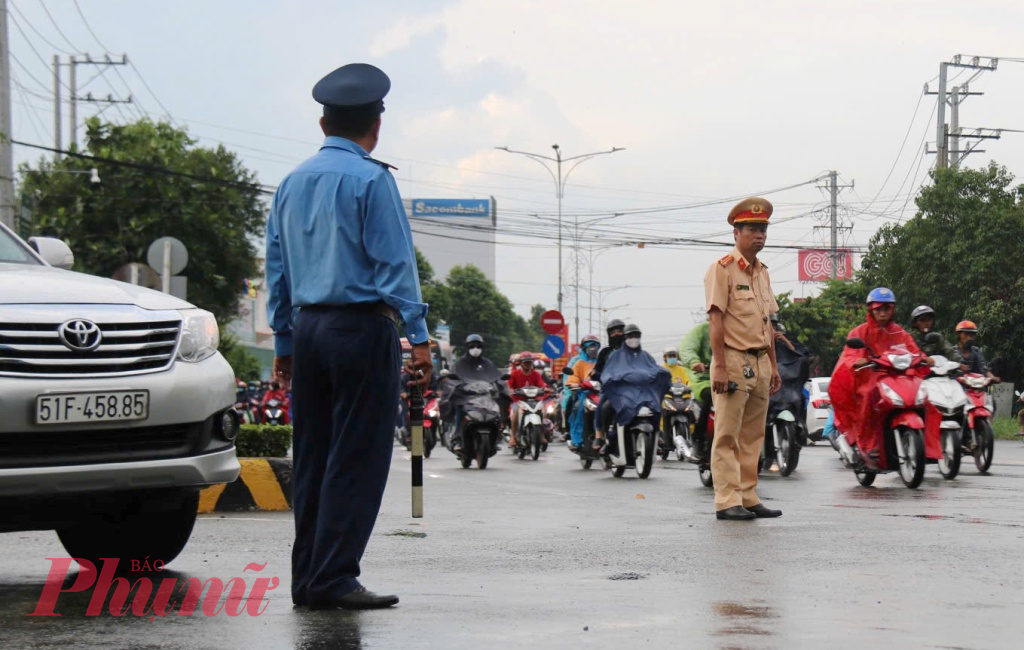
point(630, 380)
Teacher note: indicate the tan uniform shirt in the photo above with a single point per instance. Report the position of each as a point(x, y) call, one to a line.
point(743, 293)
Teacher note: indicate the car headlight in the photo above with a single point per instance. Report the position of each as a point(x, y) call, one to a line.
point(199, 336)
point(891, 394)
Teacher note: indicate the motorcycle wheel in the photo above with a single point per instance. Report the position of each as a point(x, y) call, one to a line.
point(986, 445)
point(482, 455)
point(466, 460)
point(912, 465)
point(788, 454)
point(618, 471)
point(949, 464)
point(536, 440)
point(679, 430)
point(706, 479)
point(586, 463)
point(865, 477)
point(428, 442)
point(645, 448)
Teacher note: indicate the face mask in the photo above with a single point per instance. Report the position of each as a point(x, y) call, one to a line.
point(633, 344)
point(590, 351)
point(475, 352)
point(672, 361)
point(616, 341)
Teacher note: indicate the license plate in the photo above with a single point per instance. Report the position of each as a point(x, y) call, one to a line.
point(110, 406)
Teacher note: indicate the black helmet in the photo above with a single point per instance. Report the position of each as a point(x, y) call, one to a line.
point(923, 310)
point(613, 324)
point(474, 338)
point(774, 317)
point(632, 328)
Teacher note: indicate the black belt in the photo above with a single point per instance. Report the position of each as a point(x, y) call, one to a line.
point(754, 351)
point(379, 308)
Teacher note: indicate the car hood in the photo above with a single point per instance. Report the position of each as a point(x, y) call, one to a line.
point(22, 284)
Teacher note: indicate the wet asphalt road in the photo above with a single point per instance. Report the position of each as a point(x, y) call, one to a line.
point(545, 555)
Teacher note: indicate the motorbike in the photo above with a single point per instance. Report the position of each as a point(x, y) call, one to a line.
point(552, 418)
point(901, 400)
point(245, 413)
point(532, 436)
point(786, 424)
point(978, 439)
point(430, 425)
point(590, 392)
point(274, 413)
point(481, 421)
point(634, 444)
point(679, 414)
point(944, 411)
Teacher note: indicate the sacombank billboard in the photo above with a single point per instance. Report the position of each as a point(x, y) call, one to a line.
point(451, 207)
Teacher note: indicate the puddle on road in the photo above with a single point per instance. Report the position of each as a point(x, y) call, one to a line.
point(741, 619)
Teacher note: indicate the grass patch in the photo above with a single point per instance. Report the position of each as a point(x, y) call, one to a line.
point(1005, 428)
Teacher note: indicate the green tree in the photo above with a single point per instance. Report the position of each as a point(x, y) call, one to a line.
point(246, 366)
point(957, 254)
point(822, 323)
point(434, 293)
point(475, 306)
point(208, 200)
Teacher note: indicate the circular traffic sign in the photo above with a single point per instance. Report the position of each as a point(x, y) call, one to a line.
point(178, 255)
point(554, 347)
point(552, 321)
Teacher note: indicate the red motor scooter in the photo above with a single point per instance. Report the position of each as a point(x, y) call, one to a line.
point(978, 439)
point(901, 396)
point(590, 393)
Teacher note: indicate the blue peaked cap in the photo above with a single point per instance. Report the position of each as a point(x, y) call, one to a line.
point(355, 86)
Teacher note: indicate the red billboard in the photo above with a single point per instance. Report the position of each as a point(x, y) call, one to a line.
point(816, 264)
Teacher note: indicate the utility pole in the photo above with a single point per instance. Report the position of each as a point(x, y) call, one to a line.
point(560, 180)
point(58, 141)
point(834, 227)
point(73, 64)
point(6, 156)
point(945, 133)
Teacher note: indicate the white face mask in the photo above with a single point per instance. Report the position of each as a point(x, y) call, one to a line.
point(633, 343)
point(475, 352)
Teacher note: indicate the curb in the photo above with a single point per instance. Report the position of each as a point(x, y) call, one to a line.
point(262, 484)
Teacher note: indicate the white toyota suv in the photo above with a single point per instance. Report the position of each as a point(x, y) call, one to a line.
point(115, 408)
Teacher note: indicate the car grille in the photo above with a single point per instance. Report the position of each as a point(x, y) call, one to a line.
point(36, 350)
point(52, 448)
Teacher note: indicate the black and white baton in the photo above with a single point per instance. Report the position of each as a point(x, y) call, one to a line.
point(416, 431)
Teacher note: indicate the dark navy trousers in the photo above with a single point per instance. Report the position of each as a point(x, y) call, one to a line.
point(345, 385)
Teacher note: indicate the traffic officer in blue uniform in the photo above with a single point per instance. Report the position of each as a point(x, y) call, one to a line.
point(341, 275)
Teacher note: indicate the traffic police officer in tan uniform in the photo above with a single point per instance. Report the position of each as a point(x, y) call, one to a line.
point(739, 304)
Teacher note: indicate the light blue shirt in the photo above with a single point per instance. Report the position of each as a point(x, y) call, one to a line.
point(338, 234)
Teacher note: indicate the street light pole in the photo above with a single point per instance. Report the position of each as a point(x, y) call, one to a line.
point(560, 181)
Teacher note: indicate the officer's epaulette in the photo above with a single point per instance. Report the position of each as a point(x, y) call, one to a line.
point(381, 163)
point(727, 260)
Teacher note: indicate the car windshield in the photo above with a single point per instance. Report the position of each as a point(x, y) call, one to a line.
point(823, 385)
point(12, 251)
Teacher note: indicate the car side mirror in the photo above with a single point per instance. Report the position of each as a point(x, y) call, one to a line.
point(932, 337)
point(53, 251)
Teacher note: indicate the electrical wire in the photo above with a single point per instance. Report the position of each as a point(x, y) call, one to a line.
point(57, 27)
point(33, 28)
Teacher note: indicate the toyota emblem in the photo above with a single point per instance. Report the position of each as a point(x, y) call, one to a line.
point(80, 335)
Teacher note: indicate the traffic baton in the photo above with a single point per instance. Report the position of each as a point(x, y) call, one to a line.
point(416, 431)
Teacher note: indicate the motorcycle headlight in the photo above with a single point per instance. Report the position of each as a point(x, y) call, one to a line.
point(199, 336)
point(900, 361)
point(922, 394)
point(891, 395)
point(432, 413)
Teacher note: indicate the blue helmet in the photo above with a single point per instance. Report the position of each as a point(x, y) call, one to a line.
point(881, 294)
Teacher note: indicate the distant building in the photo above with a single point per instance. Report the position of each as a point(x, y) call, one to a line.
point(454, 232)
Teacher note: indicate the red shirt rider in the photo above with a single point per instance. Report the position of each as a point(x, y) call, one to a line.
point(525, 375)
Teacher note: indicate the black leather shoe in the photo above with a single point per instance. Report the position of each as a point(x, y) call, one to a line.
point(358, 599)
point(735, 513)
point(763, 512)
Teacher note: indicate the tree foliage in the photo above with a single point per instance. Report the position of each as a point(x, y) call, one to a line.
point(958, 256)
point(217, 211)
point(822, 323)
point(246, 366)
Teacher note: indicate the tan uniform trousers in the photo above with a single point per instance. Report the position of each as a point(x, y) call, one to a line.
point(739, 430)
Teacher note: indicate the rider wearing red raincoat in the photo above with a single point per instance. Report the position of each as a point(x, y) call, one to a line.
point(854, 394)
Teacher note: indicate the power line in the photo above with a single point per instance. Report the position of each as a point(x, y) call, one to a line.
point(57, 27)
point(38, 33)
point(88, 27)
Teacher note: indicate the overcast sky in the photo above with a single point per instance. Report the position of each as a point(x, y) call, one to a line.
point(711, 100)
